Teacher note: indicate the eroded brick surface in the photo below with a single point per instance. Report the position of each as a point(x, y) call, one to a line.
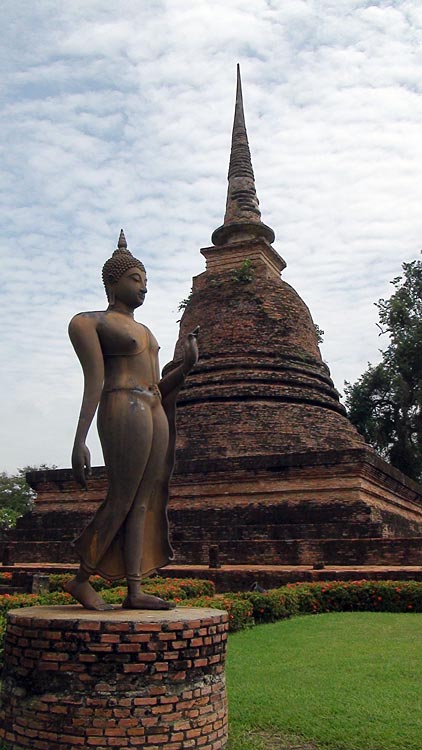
point(82, 688)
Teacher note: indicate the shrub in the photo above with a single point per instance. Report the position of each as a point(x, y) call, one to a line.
point(369, 596)
point(2, 634)
point(178, 589)
point(239, 610)
point(271, 605)
point(58, 580)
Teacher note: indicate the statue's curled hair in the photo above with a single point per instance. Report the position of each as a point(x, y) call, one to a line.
point(120, 262)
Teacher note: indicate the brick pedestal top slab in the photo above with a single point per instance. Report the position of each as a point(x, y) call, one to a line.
point(77, 679)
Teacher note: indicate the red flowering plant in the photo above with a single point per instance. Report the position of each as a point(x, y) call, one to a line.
point(178, 588)
point(114, 595)
point(270, 606)
point(239, 610)
point(171, 589)
point(14, 601)
point(167, 588)
point(58, 580)
point(364, 595)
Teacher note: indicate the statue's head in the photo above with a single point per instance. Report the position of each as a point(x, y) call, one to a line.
point(120, 262)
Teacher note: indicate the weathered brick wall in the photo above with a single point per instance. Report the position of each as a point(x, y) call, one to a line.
point(119, 679)
point(260, 511)
point(260, 385)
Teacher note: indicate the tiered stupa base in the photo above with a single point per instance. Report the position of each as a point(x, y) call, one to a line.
point(343, 508)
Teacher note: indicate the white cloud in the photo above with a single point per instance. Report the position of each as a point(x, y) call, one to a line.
point(120, 115)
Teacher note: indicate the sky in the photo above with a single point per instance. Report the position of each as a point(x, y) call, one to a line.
point(120, 114)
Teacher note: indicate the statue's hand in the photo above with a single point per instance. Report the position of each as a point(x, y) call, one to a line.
point(81, 461)
point(190, 351)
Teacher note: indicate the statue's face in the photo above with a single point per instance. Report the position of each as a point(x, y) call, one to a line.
point(131, 288)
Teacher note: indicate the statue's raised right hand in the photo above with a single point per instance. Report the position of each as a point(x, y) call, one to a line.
point(190, 351)
point(81, 463)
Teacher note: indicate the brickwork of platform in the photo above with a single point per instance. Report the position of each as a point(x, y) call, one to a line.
point(77, 679)
point(342, 507)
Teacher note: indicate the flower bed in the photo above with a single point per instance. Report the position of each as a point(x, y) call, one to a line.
point(314, 598)
point(168, 588)
point(349, 596)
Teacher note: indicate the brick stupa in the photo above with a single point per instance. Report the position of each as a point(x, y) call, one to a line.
point(269, 469)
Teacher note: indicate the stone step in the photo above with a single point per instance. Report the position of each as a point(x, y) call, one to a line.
point(370, 551)
point(248, 513)
point(44, 534)
point(229, 532)
point(39, 552)
point(334, 551)
point(263, 532)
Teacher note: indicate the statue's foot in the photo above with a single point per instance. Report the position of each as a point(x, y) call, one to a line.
point(146, 601)
point(86, 595)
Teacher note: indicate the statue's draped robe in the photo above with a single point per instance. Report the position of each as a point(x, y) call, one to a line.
point(100, 546)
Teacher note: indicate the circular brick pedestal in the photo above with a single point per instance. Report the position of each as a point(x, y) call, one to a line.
point(120, 679)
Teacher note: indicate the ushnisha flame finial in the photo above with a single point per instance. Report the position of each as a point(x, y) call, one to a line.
point(242, 219)
point(122, 244)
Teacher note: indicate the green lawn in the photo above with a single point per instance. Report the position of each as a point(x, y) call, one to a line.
point(344, 681)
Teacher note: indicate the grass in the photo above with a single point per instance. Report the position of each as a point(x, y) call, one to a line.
point(344, 681)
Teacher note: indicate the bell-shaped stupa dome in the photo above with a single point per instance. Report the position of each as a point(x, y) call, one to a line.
point(260, 387)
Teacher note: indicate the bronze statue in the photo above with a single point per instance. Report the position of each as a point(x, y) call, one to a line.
point(128, 536)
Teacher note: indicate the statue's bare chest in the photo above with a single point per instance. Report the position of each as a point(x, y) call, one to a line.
point(121, 336)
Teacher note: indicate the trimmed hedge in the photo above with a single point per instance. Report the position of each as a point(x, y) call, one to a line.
point(169, 588)
point(240, 610)
point(361, 596)
point(314, 598)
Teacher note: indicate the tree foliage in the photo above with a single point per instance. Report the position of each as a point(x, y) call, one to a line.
point(385, 402)
point(16, 496)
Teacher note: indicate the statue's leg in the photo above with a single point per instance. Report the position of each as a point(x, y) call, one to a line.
point(135, 522)
point(125, 426)
point(133, 429)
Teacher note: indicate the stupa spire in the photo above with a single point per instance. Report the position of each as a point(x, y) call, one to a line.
point(242, 219)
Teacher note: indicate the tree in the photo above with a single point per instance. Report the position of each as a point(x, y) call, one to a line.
point(385, 402)
point(16, 496)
